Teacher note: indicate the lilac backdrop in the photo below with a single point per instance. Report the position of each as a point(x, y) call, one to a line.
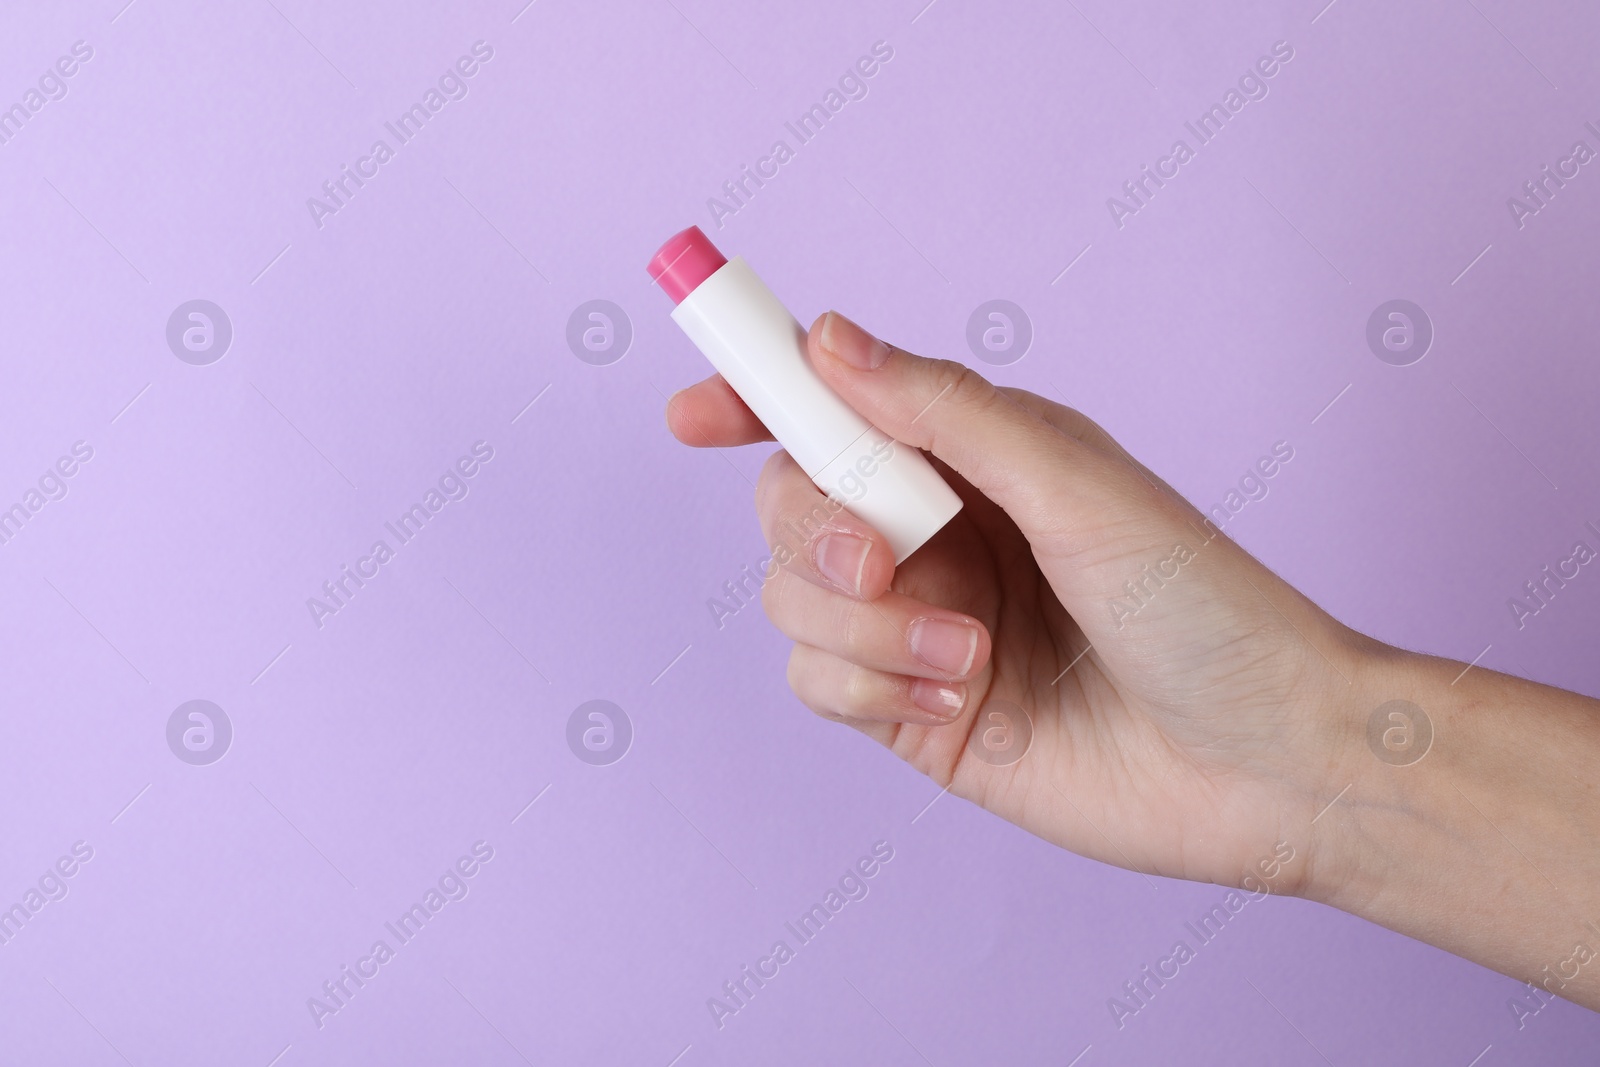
point(373, 345)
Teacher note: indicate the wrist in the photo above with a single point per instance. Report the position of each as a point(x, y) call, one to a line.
point(1384, 772)
point(1465, 816)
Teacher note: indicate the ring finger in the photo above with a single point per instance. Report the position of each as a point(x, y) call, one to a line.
point(838, 689)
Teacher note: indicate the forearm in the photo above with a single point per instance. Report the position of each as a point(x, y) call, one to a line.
point(1489, 844)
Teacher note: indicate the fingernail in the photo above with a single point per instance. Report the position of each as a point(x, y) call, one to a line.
point(944, 645)
point(850, 343)
point(842, 559)
point(943, 701)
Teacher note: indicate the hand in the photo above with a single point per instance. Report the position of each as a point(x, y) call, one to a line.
point(1192, 715)
point(1174, 684)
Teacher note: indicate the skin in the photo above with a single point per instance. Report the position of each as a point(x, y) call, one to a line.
point(1203, 724)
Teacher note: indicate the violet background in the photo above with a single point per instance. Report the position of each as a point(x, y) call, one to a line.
point(371, 753)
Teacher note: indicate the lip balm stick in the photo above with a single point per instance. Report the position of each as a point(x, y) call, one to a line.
point(760, 350)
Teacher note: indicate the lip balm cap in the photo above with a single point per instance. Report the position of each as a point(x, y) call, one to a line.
point(687, 259)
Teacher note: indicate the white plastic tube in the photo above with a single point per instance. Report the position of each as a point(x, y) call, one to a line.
point(760, 350)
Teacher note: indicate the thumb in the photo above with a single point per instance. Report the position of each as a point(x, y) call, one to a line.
point(1066, 495)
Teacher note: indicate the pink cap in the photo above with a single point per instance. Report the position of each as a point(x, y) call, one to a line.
point(687, 259)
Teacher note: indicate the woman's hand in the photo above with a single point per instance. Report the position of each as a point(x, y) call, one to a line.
point(1191, 714)
point(1172, 682)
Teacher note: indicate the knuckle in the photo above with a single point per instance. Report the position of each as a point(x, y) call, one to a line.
point(859, 690)
point(963, 385)
point(795, 672)
point(773, 465)
point(963, 393)
point(802, 682)
point(853, 628)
